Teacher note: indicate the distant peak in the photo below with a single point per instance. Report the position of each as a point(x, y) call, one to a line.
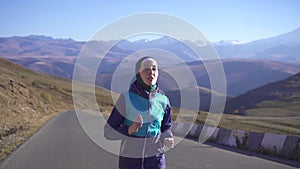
point(40, 37)
point(227, 42)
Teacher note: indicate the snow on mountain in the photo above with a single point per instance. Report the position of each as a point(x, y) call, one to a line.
point(227, 43)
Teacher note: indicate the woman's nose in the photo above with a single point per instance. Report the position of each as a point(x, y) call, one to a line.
point(152, 71)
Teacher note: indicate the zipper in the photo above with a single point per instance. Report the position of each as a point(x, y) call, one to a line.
point(148, 125)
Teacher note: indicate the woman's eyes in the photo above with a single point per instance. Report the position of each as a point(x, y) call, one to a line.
point(153, 69)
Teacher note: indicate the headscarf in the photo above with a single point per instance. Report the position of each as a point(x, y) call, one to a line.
point(140, 65)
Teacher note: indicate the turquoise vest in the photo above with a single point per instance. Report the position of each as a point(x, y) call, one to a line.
point(152, 111)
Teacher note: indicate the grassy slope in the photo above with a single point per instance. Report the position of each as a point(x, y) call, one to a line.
point(29, 99)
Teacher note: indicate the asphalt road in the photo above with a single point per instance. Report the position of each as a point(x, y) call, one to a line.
point(63, 144)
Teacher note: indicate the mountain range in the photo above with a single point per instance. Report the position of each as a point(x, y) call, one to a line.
point(284, 47)
point(247, 66)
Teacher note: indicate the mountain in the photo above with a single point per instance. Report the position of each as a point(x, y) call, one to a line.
point(172, 45)
point(205, 96)
point(227, 43)
point(284, 47)
point(28, 99)
point(259, 64)
point(281, 98)
point(41, 53)
point(54, 56)
point(289, 39)
point(281, 52)
point(242, 74)
point(34, 45)
point(44, 46)
point(58, 56)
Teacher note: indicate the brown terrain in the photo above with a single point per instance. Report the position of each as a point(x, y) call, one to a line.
point(28, 100)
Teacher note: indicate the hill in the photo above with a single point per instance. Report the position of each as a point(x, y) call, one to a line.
point(281, 98)
point(28, 99)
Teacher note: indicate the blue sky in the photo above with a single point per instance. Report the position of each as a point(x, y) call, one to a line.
point(244, 20)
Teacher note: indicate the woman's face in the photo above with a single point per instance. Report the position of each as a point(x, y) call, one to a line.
point(149, 75)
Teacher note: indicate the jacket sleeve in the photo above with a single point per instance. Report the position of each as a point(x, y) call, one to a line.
point(167, 123)
point(114, 128)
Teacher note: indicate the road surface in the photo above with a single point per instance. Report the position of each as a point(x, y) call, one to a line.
point(63, 144)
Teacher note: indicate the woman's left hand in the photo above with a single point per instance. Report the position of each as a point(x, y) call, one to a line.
point(169, 142)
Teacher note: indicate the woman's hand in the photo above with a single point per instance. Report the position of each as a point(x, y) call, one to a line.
point(136, 125)
point(169, 142)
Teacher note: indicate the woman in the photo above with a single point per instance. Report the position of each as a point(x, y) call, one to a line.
point(142, 119)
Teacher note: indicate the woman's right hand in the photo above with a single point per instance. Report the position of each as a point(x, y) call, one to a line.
point(136, 125)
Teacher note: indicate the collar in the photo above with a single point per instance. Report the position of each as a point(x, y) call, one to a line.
point(137, 88)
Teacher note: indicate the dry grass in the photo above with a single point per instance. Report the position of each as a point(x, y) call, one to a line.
point(29, 99)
